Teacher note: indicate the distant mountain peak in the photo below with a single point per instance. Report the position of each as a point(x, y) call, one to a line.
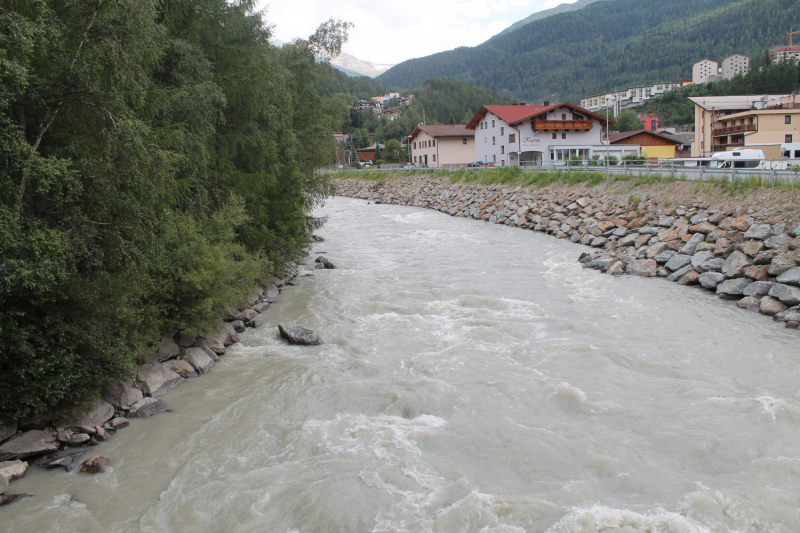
point(348, 62)
point(561, 8)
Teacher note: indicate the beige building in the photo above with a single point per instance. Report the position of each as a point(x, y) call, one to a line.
point(441, 146)
point(785, 53)
point(703, 70)
point(725, 123)
point(735, 64)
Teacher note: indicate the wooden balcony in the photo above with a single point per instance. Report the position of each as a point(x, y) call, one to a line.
point(562, 125)
point(734, 129)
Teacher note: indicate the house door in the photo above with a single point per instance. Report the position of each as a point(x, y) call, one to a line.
point(426, 160)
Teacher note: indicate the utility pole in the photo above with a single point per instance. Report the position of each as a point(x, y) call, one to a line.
point(608, 137)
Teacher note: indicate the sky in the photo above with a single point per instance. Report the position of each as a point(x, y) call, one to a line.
point(391, 32)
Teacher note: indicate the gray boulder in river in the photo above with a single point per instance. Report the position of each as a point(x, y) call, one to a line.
point(298, 335)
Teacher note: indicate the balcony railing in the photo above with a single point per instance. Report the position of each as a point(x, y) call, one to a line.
point(563, 125)
point(735, 129)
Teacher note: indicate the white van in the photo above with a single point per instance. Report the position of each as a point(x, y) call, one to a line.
point(745, 159)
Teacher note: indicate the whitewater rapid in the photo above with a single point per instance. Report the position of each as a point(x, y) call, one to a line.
point(474, 379)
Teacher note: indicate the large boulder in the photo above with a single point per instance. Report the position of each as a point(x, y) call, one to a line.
point(759, 231)
point(790, 277)
point(734, 287)
point(272, 294)
point(780, 264)
point(645, 268)
point(147, 407)
point(184, 340)
point(100, 413)
point(155, 379)
point(122, 394)
point(29, 444)
point(700, 258)
point(758, 289)
point(710, 280)
point(690, 278)
point(3, 485)
point(678, 261)
point(713, 265)
point(691, 247)
point(211, 343)
point(786, 293)
point(7, 430)
point(678, 274)
point(203, 345)
point(735, 264)
point(181, 367)
point(227, 334)
point(11, 470)
point(199, 360)
point(703, 227)
point(772, 306)
point(95, 465)
point(299, 335)
point(756, 272)
point(167, 349)
point(776, 240)
point(752, 248)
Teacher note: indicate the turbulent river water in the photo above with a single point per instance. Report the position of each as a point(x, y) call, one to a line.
point(474, 379)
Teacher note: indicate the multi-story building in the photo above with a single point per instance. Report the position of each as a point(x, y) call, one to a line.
point(630, 97)
point(785, 53)
point(735, 64)
point(512, 135)
point(441, 146)
point(728, 122)
point(705, 71)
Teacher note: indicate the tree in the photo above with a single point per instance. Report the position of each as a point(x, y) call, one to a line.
point(628, 120)
point(392, 151)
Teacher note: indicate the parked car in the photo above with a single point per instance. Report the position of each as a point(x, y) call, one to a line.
point(490, 165)
point(476, 164)
point(409, 166)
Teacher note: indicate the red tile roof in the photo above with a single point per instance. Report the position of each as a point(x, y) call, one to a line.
point(442, 130)
point(515, 114)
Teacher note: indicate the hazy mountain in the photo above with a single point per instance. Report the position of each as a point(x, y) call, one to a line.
point(347, 62)
point(608, 44)
point(563, 8)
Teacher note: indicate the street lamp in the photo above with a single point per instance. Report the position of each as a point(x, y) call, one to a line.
point(608, 136)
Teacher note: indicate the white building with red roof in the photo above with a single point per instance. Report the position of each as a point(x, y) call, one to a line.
point(512, 135)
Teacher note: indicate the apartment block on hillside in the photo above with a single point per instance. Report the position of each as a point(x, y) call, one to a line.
point(705, 71)
point(735, 64)
point(618, 101)
point(785, 53)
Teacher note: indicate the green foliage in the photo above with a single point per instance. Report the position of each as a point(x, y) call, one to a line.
point(610, 44)
point(628, 120)
point(158, 157)
point(634, 159)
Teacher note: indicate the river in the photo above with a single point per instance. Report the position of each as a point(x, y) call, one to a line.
point(474, 379)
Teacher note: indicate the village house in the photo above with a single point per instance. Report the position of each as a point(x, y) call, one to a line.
point(391, 113)
point(652, 145)
point(725, 123)
point(367, 155)
point(441, 146)
point(620, 100)
point(527, 135)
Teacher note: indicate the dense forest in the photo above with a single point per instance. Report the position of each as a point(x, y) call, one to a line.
point(615, 43)
point(157, 157)
point(765, 77)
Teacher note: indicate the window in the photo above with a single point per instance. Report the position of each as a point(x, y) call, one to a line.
point(502, 131)
point(434, 158)
point(563, 116)
point(552, 156)
point(563, 135)
point(415, 146)
point(512, 138)
point(750, 120)
point(433, 142)
point(502, 149)
point(493, 141)
point(493, 123)
point(485, 140)
point(555, 136)
point(787, 119)
point(797, 154)
point(415, 160)
point(494, 159)
point(788, 139)
point(463, 141)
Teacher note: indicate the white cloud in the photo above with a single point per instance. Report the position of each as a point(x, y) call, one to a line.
point(391, 32)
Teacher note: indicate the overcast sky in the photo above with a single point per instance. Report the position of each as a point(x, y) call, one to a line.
point(391, 32)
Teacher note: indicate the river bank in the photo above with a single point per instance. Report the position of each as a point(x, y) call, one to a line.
point(63, 441)
point(744, 246)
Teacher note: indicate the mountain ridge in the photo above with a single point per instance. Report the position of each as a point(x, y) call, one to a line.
point(561, 8)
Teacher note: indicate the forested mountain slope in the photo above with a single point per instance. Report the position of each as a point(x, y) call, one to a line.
point(608, 44)
point(561, 8)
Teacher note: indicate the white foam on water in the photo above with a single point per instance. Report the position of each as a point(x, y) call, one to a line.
point(600, 518)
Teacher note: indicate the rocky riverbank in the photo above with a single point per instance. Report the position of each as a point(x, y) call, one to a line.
point(61, 442)
point(746, 250)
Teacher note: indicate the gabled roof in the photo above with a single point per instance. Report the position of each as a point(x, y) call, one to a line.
point(440, 131)
point(616, 137)
point(517, 114)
